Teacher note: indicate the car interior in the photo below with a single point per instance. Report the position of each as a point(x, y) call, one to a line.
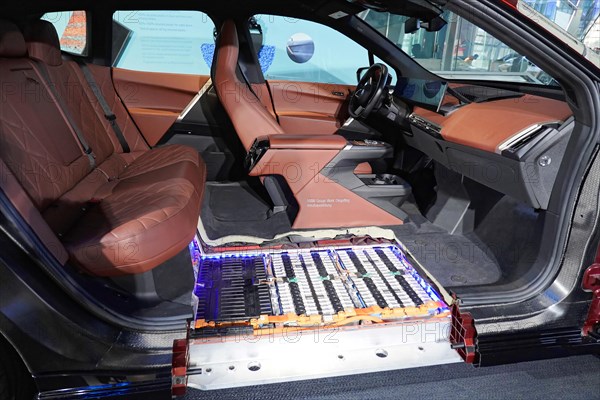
point(131, 179)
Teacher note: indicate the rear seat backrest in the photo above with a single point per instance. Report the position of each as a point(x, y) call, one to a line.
point(50, 161)
point(43, 44)
point(66, 76)
point(103, 76)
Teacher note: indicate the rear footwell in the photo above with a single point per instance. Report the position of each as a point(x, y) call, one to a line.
point(234, 208)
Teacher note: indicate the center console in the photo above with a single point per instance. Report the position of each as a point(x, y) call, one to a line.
point(319, 174)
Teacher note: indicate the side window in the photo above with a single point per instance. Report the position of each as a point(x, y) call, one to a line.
point(71, 27)
point(163, 41)
point(298, 50)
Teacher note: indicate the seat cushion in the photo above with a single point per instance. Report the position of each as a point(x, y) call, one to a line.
point(136, 228)
point(160, 157)
point(109, 180)
point(163, 164)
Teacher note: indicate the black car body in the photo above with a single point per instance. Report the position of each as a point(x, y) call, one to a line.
point(499, 228)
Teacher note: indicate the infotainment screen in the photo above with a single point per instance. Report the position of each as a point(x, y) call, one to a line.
point(421, 92)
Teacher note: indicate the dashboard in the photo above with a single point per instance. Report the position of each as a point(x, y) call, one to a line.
point(509, 141)
point(490, 125)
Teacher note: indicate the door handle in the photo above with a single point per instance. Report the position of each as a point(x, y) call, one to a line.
point(339, 94)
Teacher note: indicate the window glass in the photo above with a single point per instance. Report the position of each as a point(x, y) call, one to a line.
point(576, 17)
point(163, 41)
point(71, 27)
point(298, 50)
point(460, 50)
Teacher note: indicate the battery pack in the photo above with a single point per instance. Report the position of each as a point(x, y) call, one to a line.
point(310, 288)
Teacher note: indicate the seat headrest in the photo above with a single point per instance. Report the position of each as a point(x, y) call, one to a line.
point(43, 43)
point(12, 43)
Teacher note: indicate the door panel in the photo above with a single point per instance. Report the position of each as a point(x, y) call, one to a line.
point(155, 100)
point(310, 107)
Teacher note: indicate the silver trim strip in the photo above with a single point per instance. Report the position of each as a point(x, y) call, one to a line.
point(196, 98)
point(520, 135)
point(348, 122)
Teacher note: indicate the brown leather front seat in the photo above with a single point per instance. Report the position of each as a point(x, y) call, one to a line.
point(248, 115)
point(245, 110)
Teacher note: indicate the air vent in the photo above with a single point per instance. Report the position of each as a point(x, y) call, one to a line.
point(425, 125)
point(519, 140)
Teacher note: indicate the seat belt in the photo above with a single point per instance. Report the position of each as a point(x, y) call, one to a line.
point(108, 113)
point(80, 137)
point(255, 95)
point(247, 81)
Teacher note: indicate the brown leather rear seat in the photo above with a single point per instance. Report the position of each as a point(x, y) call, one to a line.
point(66, 76)
point(127, 215)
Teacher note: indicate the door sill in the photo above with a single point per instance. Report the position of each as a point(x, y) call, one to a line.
point(321, 353)
point(331, 308)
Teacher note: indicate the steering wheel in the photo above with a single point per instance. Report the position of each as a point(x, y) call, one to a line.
point(370, 91)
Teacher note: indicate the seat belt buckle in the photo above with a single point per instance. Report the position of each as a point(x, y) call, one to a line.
point(111, 117)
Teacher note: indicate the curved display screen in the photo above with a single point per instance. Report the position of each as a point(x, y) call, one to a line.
point(421, 92)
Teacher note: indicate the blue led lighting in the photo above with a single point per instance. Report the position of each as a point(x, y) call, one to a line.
point(397, 250)
point(424, 284)
point(97, 391)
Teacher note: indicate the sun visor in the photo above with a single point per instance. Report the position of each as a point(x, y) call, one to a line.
point(421, 9)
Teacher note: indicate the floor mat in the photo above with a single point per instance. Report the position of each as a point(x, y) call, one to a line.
point(454, 260)
point(236, 209)
point(544, 380)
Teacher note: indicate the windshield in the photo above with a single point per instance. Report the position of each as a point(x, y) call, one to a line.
point(460, 50)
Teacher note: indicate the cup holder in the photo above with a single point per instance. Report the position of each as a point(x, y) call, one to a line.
point(386, 179)
point(385, 190)
point(382, 180)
